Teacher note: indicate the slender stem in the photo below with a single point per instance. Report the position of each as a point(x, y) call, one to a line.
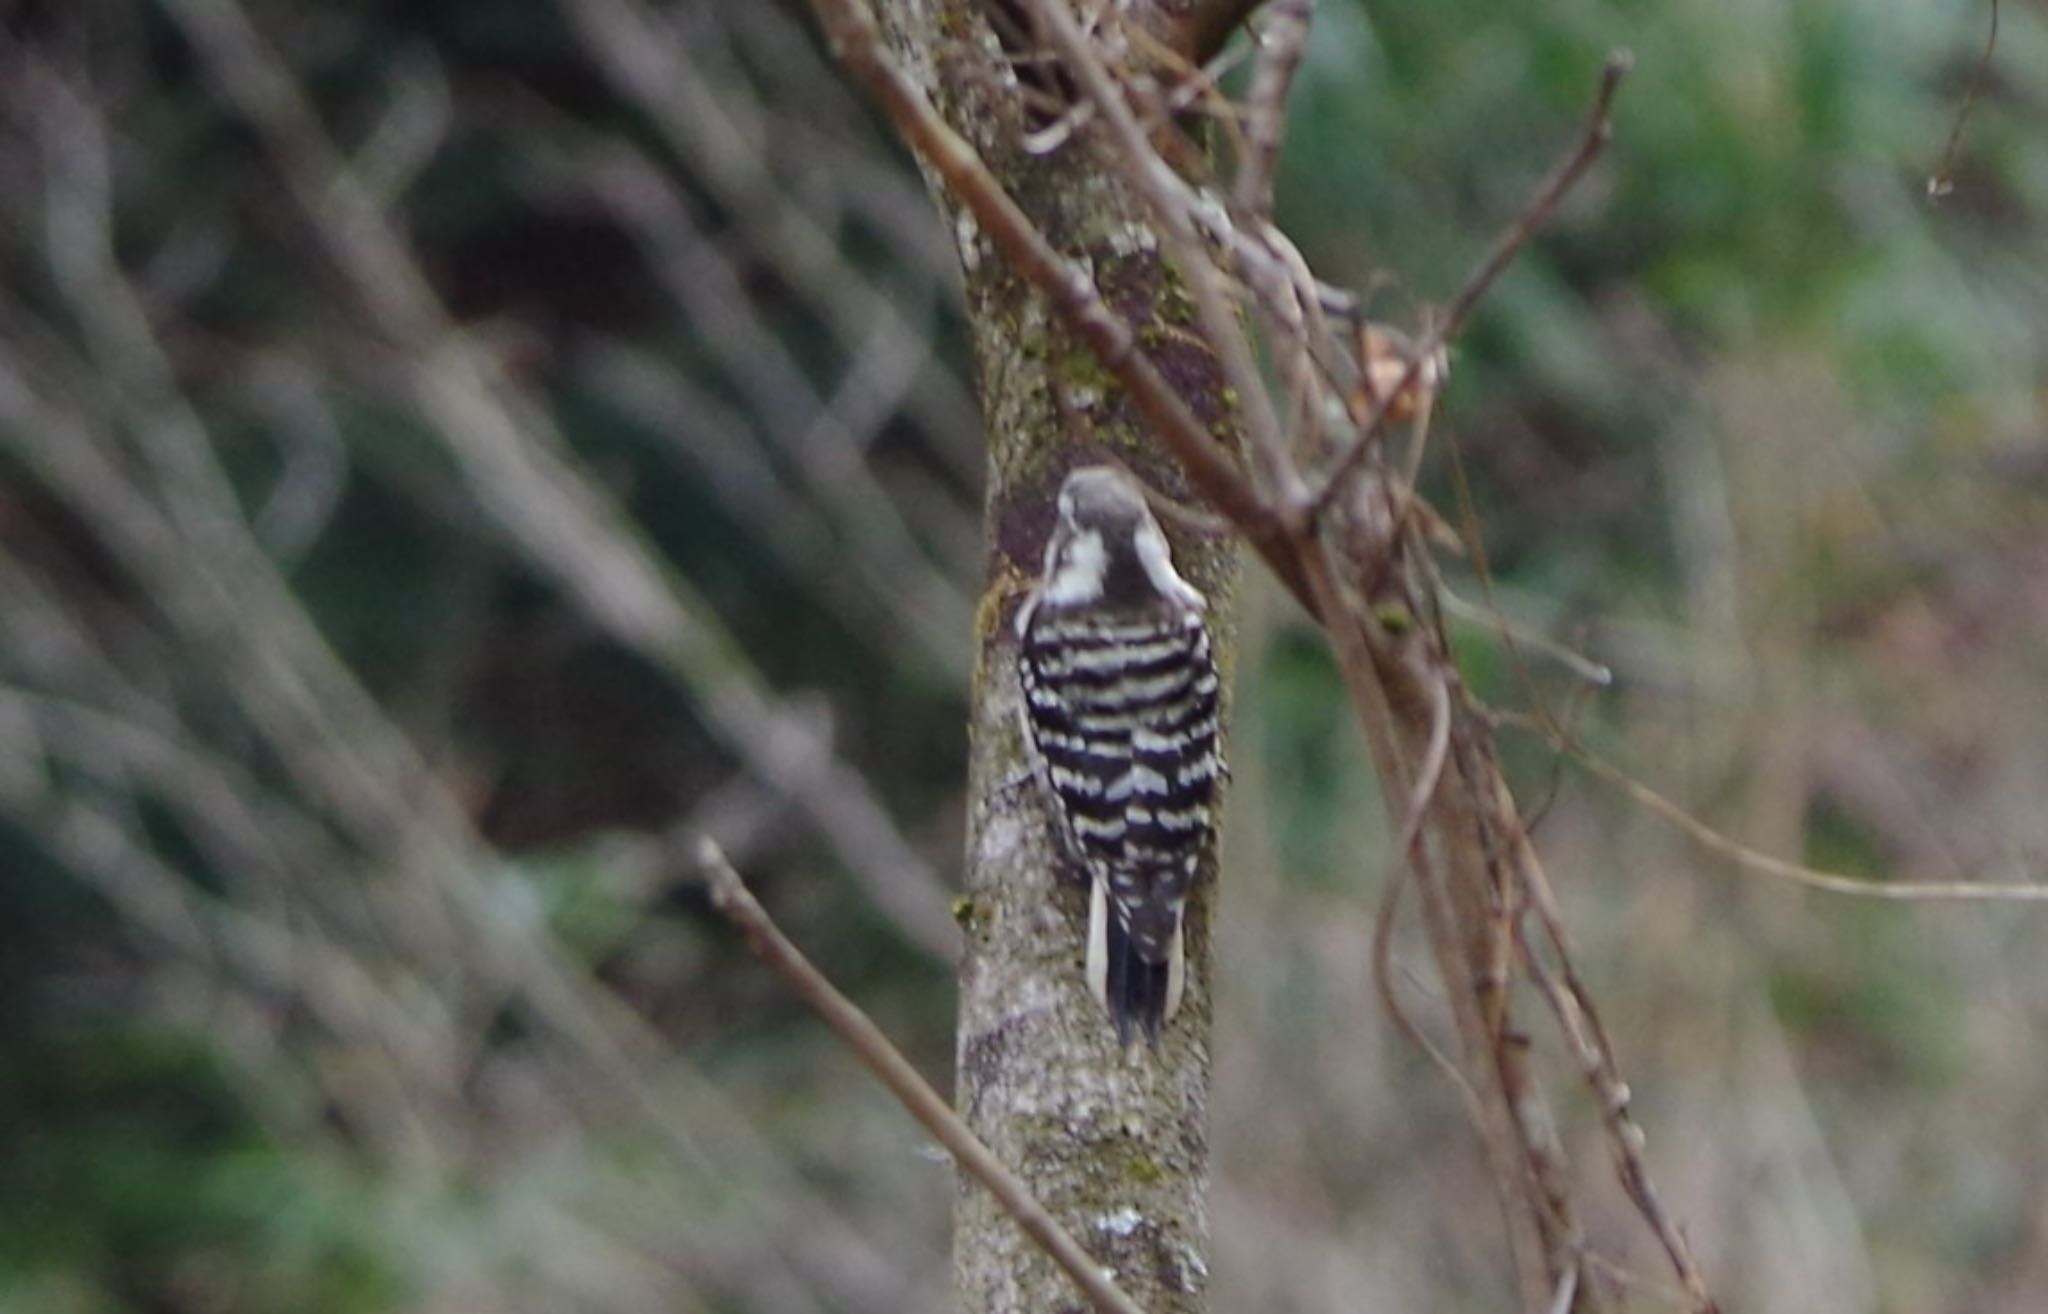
point(1153, 179)
point(1759, 863)
point(857, 42)
point(1942, 181)
point(1599, 129)
point(1282, 36)
point(729, 894)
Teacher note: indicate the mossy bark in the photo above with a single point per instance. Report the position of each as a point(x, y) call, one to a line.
point(1115, 1143)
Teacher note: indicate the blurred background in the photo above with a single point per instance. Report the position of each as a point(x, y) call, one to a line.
point(451, 452)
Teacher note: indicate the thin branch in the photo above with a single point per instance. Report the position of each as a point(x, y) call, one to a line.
point(1154, 180)
point(1553, 777)
point(1396, 878)
point(730, 896)
point(1586, 1036)
point(1597, 674)
point(857, 42)
point(1501, 1130)
point(1281, 39)
point(1759, 863)
point(1599, 129)
point(1511, 636)
point(1942, 181)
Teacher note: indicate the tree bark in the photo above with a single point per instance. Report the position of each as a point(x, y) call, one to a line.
point(1114, 1142)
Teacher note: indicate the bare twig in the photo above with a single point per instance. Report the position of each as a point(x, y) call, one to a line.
point(1942, 180)
point(1597, 674)
point(1391, 885)
point(1586, 1036)
point(1282, 36)
point(1625, 1136)
point(1599, 128)
point(1501, 1130)
point(730, 896)
point(1757, 863)
point(858, 43)
point(1274, 476)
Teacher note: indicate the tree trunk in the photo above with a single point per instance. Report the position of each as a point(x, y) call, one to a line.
point(1115, 1143)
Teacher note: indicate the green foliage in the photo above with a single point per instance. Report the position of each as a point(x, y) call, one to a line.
point(131, 1170)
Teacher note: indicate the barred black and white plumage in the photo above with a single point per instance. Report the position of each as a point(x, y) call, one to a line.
point(1120, 694)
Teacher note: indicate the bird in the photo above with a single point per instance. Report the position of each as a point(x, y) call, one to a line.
point(1119, 705)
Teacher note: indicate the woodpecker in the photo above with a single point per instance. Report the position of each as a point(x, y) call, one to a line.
point(1119, 711)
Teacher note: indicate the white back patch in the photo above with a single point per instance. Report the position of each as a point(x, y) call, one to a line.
point(1077, 579)
point(1158, 564)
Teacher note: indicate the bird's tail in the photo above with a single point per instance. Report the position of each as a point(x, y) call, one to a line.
point(1139, 994)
